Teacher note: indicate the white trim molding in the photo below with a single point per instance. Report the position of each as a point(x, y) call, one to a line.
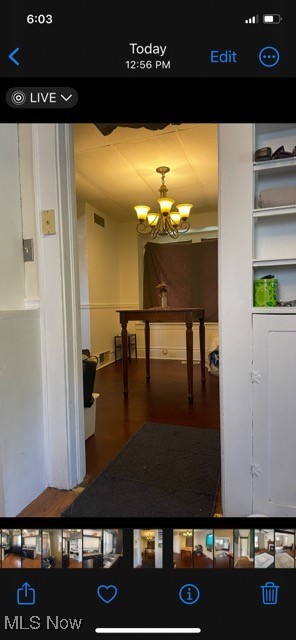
point(59, 307)
point(108, 305)
point(32, 303)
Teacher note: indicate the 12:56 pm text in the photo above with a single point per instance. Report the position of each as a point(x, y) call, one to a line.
point(148, 64)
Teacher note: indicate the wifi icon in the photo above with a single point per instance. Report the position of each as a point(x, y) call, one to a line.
point(252, 20)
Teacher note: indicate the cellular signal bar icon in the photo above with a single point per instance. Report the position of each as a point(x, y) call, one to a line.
point(252, 20)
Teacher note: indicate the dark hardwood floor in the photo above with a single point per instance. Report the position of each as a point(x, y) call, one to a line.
point(223, 561)
point(187, 561)
point(183, 560)
point(164, 400)
point(202, 562)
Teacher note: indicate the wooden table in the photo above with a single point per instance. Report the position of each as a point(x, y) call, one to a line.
point(186, 550)
point(188, 316)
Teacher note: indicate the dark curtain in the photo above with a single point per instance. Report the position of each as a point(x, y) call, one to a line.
point(190, 271)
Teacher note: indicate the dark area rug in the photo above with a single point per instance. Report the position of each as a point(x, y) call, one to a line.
point(163, 470)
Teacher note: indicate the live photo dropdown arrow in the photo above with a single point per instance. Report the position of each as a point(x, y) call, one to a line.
point(66, 98)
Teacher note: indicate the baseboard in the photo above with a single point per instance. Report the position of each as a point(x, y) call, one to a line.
point(157, 353)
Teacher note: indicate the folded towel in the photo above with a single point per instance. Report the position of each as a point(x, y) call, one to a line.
point(277, 197)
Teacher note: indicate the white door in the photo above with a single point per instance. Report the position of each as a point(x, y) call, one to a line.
point(274, 414)
point(244, 547)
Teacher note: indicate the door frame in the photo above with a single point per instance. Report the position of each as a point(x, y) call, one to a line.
point(54, 186)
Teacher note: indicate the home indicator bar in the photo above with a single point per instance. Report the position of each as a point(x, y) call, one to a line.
point(147, 630)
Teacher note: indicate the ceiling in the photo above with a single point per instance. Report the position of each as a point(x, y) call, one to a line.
point(117, 171)
point(185, 530)
point(244, 533)
point(148, 533)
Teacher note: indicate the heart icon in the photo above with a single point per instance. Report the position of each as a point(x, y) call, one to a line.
point(107, 593)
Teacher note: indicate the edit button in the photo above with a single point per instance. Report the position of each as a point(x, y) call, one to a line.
point(228, 56)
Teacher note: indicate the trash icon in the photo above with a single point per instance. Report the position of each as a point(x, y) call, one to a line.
point(269, 592)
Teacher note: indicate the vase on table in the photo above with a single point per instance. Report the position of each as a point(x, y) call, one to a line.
point(164, 299)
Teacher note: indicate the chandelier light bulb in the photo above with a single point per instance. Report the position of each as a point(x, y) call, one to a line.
point(153, 219)
point(175, 218)
point(141, 211)
point(184, 210)
point(165, 205)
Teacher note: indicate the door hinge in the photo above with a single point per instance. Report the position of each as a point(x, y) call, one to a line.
point(255, 376)
point(256, 470)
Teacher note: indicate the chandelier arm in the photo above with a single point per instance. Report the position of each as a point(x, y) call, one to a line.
point(184, 226)
point(143, 229)
point(155, 232)
point(171, 229)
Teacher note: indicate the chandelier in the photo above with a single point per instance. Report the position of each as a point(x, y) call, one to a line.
point(187, 534)
point(165, 221)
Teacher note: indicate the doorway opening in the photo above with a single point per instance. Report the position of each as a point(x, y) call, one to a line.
point(148, 549)
point(115, 172)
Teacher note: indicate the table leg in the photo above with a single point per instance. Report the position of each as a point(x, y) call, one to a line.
point(124, 357)
point(189, 357)
point(147, 349)
point(202, 350)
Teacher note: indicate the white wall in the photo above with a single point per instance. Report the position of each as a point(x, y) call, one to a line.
point(225, 533)
point(12, 274)
point(137, 548)
point(99, 280)
point(103, 272)
point(21, 437)
point(235, 303)
point(263, 537)
point(91, 543)
point(168, 341)
point(176, 542)
point(37, 163)
point(236, 547)
point(26, 173)
point(179, 541)
point(284, 538)
point(244, 547)
point(129, 281)
point(22, 475)
point(158, 549)
point(83, 277)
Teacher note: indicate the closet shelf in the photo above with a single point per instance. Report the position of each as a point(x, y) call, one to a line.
point(274, 166)
point(274, 211)
point(275, 310)
point(275, 262)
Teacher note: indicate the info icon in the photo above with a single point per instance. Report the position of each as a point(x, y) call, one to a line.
point(189, 594)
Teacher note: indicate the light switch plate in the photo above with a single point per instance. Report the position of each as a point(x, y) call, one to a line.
point(48, 222)
point(28, 249)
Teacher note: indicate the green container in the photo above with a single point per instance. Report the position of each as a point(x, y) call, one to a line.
point(266, 292)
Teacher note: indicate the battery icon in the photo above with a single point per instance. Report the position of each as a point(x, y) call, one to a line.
point(272, 18)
